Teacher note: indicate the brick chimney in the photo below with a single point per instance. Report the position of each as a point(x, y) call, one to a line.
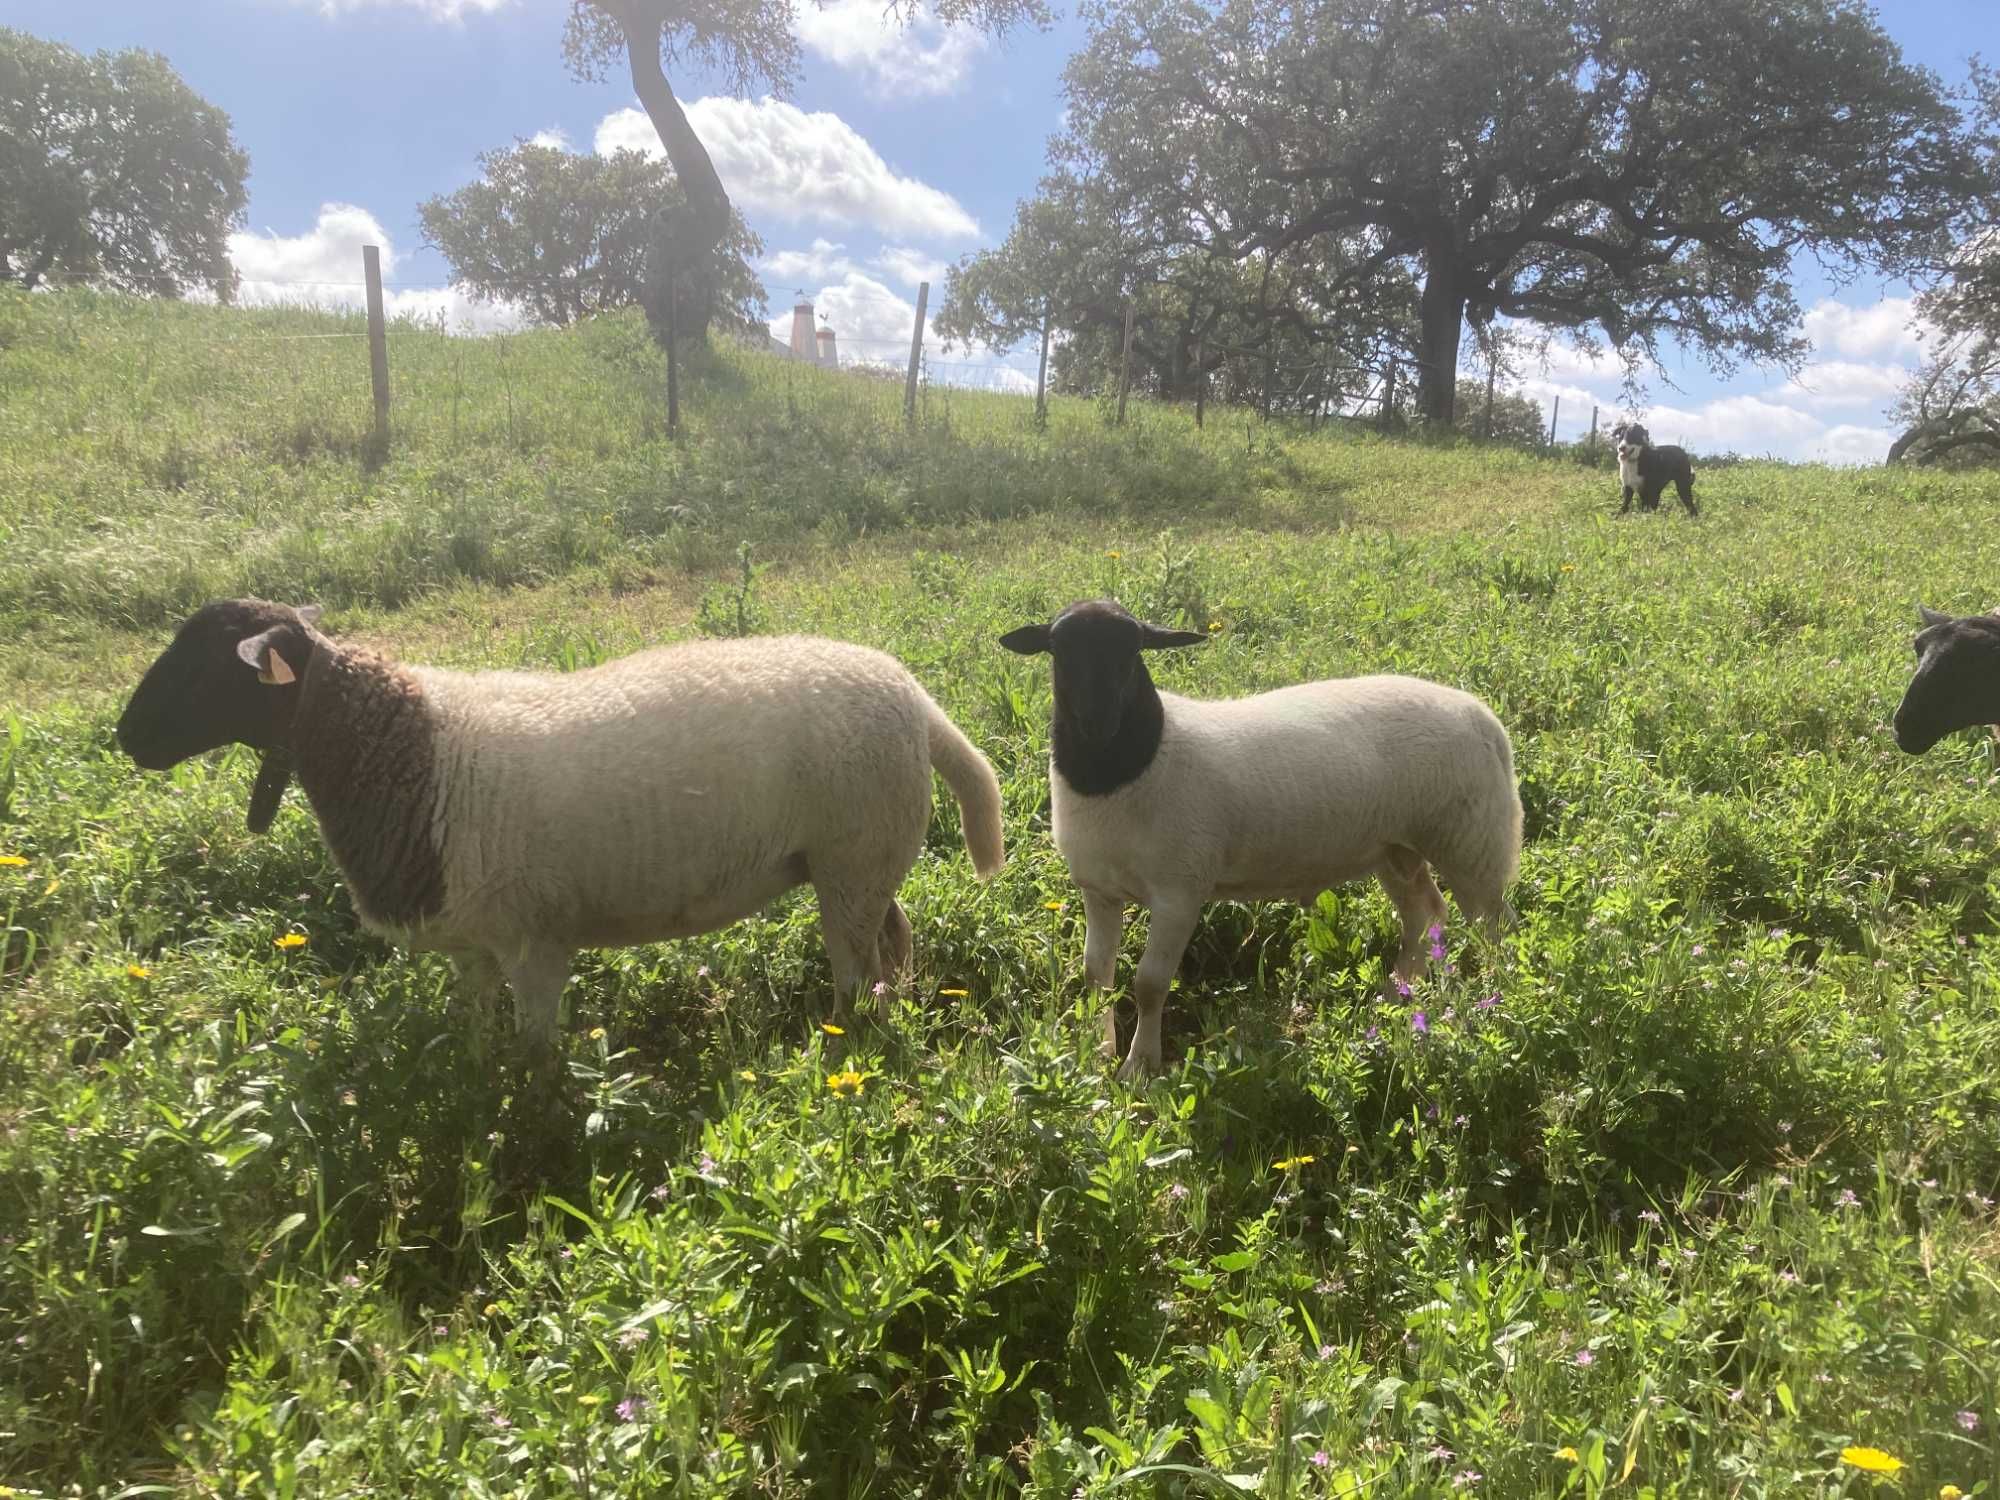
point(804, 346)
point(828, 355)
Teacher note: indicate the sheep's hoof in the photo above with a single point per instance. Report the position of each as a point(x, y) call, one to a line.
point(1138, 1070)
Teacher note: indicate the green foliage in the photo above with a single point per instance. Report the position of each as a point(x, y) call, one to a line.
point(567, 235)
point(1682, 1188)
point(113, 172)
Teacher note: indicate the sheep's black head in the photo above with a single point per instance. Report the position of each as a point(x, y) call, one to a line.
point(1957, 683)
point(231, 676)
point(1098, 674)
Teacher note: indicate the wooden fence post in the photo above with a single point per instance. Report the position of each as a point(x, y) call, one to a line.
point(1492, 369)
point(1592, 439)
point(1042, 377)
point(1389, 394)
point(1200, 379)
point(1125, 364)
point(673, 360)
point(916, 354)
point(1555, 411)
point(378, 347)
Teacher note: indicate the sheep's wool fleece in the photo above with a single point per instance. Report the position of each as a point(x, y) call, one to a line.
point(669, 792)
point(1291, 792)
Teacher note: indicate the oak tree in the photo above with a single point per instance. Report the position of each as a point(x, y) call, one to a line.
point(113, 172)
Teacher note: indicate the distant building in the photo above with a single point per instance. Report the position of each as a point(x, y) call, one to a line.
point(816, 346)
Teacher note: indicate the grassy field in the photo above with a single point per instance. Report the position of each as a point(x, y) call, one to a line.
point(1685, 1191)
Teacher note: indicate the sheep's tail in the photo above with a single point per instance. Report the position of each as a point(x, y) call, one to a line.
point(975, 786)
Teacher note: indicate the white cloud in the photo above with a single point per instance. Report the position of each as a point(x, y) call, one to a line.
point(1749, 425)
point(822, 261)
point(437, 10)
point(1844, 383)
point(1848, 444)
point(911, 266)
point(777, 160)
point(555, 136)
point(323, 267)
point(918, 59)
point(1883, 330)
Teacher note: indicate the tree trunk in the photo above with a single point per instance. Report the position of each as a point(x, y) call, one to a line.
point(691, 239)
point(1441, 311)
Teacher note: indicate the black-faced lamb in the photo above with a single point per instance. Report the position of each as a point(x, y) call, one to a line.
point(1172, 803)
point(1957, 683)
point(510, 818)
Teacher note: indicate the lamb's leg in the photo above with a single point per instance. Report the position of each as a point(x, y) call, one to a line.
point(1686, 487)
point(1419, 903)
point(1166, 940)
point(1104, 926)
point(537, 972)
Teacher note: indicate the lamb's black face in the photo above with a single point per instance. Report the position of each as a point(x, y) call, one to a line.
point(1630, 439)
point(1957, 683)
point(1098, 675)
point(201, 693)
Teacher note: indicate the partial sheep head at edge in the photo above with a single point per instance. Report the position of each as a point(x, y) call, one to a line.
point(1957, 682)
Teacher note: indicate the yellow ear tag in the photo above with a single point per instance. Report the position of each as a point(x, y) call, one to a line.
point(276, 671)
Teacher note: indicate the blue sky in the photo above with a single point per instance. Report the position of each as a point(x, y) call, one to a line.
point(895, 154)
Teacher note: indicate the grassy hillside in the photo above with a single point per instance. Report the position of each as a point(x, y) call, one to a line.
point(1685, 1190)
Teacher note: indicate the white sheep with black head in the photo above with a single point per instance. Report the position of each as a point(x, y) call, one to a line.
point(1957, 683)
point(1171, 803)
point(511, 818)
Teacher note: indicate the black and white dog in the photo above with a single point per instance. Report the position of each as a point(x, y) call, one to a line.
point(1647, 471)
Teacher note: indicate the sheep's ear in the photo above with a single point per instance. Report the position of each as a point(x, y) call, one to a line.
point(261, 651)
point(1932, 617)
point(309, 613)
point(1029, 640)
point(1155, 637)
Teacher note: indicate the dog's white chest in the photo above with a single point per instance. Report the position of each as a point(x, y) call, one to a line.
point(1628, 472)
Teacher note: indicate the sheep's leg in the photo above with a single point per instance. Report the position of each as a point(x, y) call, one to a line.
point(894, 945)
point(1419, 904)
point(1166, 940)
point(852, 923)
point(537, 974)
point(1104, 927)
point(1628, 501)
point(474, 996)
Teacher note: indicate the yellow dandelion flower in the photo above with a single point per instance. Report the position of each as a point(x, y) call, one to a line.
point(1569, 567)
point(138, 971)
point(289, 941)
point(492, 1308)
point(50, 888)
point(832, 1030)
point(1871, 1460)
point(747, 1076)
point(1114, 556)
point(597, 1033)
point(1052, 906)
point(1289, 1162)
point(1213, 626)
point(846, 1085)
point(1569, 1453)
point(13, 862)
point(955, 994)
point(1951, 1492)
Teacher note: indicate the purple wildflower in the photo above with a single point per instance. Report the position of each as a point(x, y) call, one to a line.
point(1465, 1479)
point(629, 1408)
point(1698, 949)
point(1585, 1358)
point(1403, 988)
point(1319, 1459)
point(1441, 1454)
point(1374, 1033)
point(1489, 1003)
point(660, 1193)
point(1847, 1199)
point(1178, 1191)
point(1437, 942)
point(1969, 1421)
point(1649, 1216)
point(1327, 1351)
point(1420, 1023)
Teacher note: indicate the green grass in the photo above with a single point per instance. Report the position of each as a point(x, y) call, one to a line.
point(1703, 1196)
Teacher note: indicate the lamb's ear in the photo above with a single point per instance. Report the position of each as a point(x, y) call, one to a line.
point(1029, 640)
point(1154, 637)
point(1932, 617)
point(261, 651)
